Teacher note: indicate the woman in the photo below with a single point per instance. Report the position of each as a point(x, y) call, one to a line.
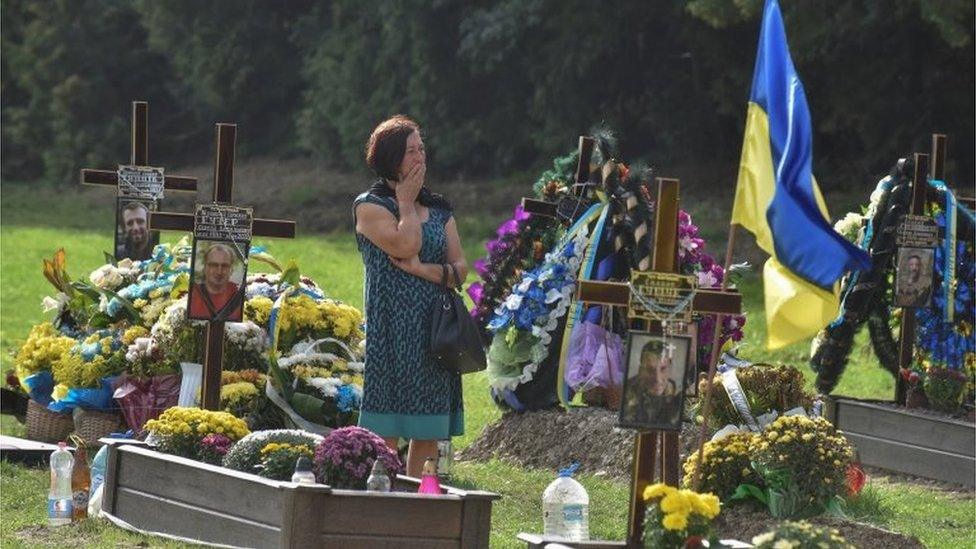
point(406, 235)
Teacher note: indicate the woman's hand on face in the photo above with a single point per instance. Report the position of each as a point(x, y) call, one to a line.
point(409, 186)
point(410, 265)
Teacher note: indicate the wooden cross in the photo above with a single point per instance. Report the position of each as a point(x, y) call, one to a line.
point(222, 193)
point(139, 157)
point(664, 259)
point(920, 188)
point(581, 185)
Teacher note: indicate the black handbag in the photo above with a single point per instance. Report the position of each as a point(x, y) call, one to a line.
point(455, 340)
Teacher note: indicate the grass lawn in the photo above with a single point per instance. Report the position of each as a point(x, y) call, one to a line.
point(940, 519)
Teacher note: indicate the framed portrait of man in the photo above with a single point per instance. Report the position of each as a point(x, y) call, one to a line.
point(913, 278)
point(133, 239)
point(218, 273)
point(654, 387)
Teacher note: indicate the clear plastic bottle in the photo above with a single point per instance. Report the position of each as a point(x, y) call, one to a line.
point(303, 471)
point(445, 457)
point(59, 498)
point(566, 507)
point(379, 478)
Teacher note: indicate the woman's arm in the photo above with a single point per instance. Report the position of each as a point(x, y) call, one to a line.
point(434, 272)
point(398, 238)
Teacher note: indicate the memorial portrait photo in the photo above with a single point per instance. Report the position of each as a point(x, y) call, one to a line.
point(913, 281)
point(217, 290)
point(653, 392)
point(133, 239)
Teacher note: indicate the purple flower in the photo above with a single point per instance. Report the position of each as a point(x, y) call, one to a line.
point(521, 214)
point(476, 291)
point(507, 228)
point(481, 266)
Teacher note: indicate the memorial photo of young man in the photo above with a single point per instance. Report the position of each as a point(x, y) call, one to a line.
point(653, 388)
point(913, 282)
point(217, 292)
point(133, 239)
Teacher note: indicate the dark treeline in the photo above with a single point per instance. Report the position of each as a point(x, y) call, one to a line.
point(500, 85)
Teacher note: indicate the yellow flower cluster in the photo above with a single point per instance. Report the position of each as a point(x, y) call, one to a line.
point(726, 464)
point(814, 453)
point(796, 534)
point(272, 447)
point(129, 336)
point(44, 347)
point(678, 505)
point(258, 310)
point(196, 423)
point(72, 370)
point(303, 312)
point(234, 394)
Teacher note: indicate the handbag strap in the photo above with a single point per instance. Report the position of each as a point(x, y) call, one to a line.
point(457, 277)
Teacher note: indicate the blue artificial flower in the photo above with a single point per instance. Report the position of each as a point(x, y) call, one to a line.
point(346, 399)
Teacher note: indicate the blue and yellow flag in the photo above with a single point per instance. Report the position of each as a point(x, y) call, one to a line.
point(777, 198)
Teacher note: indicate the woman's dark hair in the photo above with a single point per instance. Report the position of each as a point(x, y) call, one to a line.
point(387, 145)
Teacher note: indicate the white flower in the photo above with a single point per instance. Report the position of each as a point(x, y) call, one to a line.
point(763, 538)
point(106, 277)
point(553, 296)
point(513, 302)
point(524, 285)
point(849, 226)
point(686, 243)
point(706, 279)
point(54, 303)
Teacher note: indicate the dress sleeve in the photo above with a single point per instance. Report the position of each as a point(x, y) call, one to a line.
point(387, 203)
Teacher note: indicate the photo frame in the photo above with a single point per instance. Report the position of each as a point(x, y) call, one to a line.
point(655, 384)
point(914, 277)
point(217, 274)
point(133, 239)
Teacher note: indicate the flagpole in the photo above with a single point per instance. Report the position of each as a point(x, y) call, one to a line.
point(713, 360)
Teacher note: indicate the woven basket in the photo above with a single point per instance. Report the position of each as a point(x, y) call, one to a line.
point(43, 425)
point(92, 425)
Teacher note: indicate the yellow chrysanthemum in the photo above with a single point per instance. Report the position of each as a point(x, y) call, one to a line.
point(675, 521)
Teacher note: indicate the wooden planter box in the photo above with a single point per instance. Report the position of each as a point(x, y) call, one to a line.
point(915, 443)
point(162, 494)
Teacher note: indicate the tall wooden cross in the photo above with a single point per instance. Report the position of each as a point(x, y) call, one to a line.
point(664, 259)
point(138, 157)
point(933, 167)
point(222, 194)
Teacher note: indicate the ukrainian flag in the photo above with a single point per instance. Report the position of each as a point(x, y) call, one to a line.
point(777, 198)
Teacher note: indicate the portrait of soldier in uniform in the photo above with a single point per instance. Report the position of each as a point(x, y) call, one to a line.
point(655, 378)
point(913, 281)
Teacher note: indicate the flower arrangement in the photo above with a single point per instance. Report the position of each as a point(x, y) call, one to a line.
point(522, 323)
point(345, 457)
point(245, 455)
point(99, 355)
point(520, 244)
point(694, 260)
point(676, 517)
point(241, 392)
point(181, 431)
point(726, 463)
point(945, 351)
point(767, 388)
point(214, 447)
point(330, 371)
point(801, 535)
point(803, 463)
point(45, 346)
point(278, 459)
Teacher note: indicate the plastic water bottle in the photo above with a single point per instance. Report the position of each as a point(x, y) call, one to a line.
point(98, 468)
point(445, 457)
point(303, 472)
point(566, 507)
point(59, 498)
